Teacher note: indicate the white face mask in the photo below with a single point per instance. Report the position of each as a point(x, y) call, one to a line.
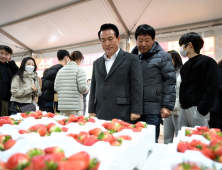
point(29, 69)
point(182, 52)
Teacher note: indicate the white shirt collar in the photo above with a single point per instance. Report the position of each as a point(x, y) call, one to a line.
point(113, 57)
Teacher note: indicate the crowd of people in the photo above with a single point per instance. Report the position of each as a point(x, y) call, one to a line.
point(148, 84)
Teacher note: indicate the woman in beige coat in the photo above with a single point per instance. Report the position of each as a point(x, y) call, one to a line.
point(25, 84)
point(70, 85)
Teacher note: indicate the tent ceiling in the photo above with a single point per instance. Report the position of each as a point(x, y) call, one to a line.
point(80, 23)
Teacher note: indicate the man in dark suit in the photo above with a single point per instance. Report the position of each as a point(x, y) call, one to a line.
point(116, 85)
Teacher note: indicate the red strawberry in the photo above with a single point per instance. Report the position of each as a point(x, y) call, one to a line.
point(82, 135)
point(64, 129)
point(61, 122)
point(203, 128)
point(2, 147)
point(42, 131)
point(10, 143)
point(35, 127)
point(91, 120)
point(121, 128)
point(80, 156)
point(137, 129)
point(55, 128)
point(123, 137)
point(215, 130)
point(73, 118)
point(4, 138)
point(105, 136)
point(95, 131)
point(39, 112)
point(115, 143)
point(33, 115)
point(182, 146)
point(89, 140)
point(140, 124)
point(81, 122)
point(35, 152)
point(197, 144)
point(94, 164)
point(187, 166)
point(220, 159)
point(17, 161)
point(106, 125)
point(2, 165)
point(52, 150)
point(81, 118)
point(4, 121)
point(75, 136)
point(218, 150)
point(50, 125)
point(49, 161)
point(209, 153)
point(24, 115)
point(22, 131)
point(72, 165)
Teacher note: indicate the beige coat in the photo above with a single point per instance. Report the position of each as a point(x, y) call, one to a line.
point(70, 84)
point(22, 91)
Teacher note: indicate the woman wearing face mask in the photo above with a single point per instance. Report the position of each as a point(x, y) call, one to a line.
point(25, 84)
point(171, 122)
point(70, 85)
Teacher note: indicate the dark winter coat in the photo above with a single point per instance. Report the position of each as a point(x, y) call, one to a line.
point(159, 80)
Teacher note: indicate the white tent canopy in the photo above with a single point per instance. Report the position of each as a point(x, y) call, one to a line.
point(41, 26)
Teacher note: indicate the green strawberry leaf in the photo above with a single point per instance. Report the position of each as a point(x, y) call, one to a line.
point(93, 162)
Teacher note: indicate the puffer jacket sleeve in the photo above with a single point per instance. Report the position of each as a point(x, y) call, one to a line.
point(55, 83)
point(169, 82)
point(82, 84)
point(16, 90)
point(39, 92)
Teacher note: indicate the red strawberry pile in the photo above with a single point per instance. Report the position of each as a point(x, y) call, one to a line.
point(95, 135)
point(81, 120)
point(52, 158)
point(38, 114)
point(190, 166)
point(212, 134)
point(44, 130)
point(212, 151)
point(9, 120)
point(118, 125)
point(6, 142)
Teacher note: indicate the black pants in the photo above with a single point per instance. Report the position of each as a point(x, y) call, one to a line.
point(84, 109)
point(50, 108)
point(42, 108)
point(215, 120)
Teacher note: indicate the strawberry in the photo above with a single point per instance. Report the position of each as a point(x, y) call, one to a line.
point(4, 121)
point(197, 144)
point(89, 140)
point(215, 130)
point(61, 122)
point(187, 166)
point(22, 131)
point(24, 115)
point(105, 136)
point(80, 156)
point(81, 122)
point(123, 137)
point(218, 150)
point(203, 128)
point(182, 147)
point(209, 153)
point(94, 164)
point(73, 118)
point(39, 112)
point(91, 120)
point(82, 135)
point(75, 136)
point(72, 165)
point(121, 128)
point(33, 115)
point(220, 159)
point(50, 125)
point(17, 161)
point(81, 118)
point(52, 150)
point(48, 161)
point(10, 143)
point(140, 124)
point(4, 138)
point(35, 127)
point(64, 129)
point(115, 143)
point(35, 152)
point(95, 131)
point(190, 132)
point(2, 147)
point(2, 165)
point(106, 125)
point(55, 128)
point(129, 126)
point(137, 129)
point(42, 131)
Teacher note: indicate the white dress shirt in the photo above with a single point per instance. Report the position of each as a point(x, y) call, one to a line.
point(109, 61)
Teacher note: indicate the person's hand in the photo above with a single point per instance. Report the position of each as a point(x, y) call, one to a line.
point(134, 116)
point(165, 113)
point(9, 58)
point(92, 115)
point(34, 88)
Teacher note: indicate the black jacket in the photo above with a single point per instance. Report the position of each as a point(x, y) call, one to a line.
point(41, 101)
point(48, 85)
point(119, 93)
point(159, 80)
point(200, 83)
point(217, 107)
point(12, 69)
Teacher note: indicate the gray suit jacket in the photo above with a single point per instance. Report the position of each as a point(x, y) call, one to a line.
point(119, 93)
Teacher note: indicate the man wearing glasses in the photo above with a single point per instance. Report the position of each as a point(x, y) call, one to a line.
point(8, 69)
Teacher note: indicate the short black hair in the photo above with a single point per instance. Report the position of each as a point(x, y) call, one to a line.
point(194, 38)
point(45, 72)
point(6, 48)
point(107, 27)
point(61, 54)
point(219, 64)
point(145, 30)
point(176, 58)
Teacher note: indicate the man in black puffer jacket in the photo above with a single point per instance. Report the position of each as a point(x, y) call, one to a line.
point(48, 86)
point(159, 78)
